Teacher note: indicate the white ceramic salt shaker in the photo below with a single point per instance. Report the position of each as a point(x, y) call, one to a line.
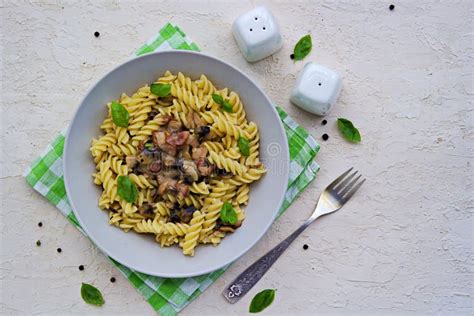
point(316, 89)
point(257, 34)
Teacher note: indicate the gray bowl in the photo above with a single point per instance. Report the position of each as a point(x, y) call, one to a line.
point(141, 252)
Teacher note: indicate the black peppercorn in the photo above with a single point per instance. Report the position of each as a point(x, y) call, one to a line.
point(292, 56)
point(81, 267)
point(59, 250)
point(325, 136)
point(112, 279)
point(96, 34)
point(391, 7)
point(305, 246)
point(40, 224)
point(324, 122)
point(38, 243)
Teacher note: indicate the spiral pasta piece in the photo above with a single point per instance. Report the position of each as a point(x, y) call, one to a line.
point(102, 144)
point(242, 195)
point(192, 236)
point(226, 163)
point(122, 150)
point(108, 180)
point(162, 209)
point(212, 210)
point(117, 166)
point(145, 132)
point(141, 181)
point(199, 188)
point(149, 226)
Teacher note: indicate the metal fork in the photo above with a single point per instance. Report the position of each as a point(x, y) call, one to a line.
point(331, 200)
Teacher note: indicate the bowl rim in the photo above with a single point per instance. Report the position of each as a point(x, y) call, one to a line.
point(237, 255)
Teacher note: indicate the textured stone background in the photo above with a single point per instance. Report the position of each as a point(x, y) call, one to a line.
point(404, 244)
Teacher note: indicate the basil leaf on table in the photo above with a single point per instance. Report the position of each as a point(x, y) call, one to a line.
point(303, 47)
point(126, 189)
point(244, 146)
point(228, 214)
point(262, 300)
point(160, 89)
point(91, 295)
point(120, 114)
point(348, 130)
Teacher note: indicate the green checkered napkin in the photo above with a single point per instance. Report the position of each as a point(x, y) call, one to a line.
point(169, 296)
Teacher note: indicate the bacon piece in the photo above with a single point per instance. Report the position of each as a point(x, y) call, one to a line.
point(177, 138)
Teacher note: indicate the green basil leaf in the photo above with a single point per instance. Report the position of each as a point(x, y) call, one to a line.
point(226, 106)
point(262, 300)
point(244, 146)
point(348, 130)
point(126, 189)
point(160, 89)
point(120, 114)
point(228, 214)
point(303, 47)
point(217, 98)
point(91, 295)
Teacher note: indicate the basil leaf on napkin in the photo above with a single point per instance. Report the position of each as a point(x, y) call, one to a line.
point(225, 105)
point(126, 189)
point(228, 214)
point(262, 300)
point(91, 295)
point(120, 114)
point(244, 146)
point(303, 47)
point(348, 130)
point(160, 89)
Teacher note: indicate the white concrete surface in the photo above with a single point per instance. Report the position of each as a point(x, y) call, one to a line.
point(403, 245)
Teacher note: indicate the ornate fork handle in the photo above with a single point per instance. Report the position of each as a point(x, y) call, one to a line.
point(247, 279)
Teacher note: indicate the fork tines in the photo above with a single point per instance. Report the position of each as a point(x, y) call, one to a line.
point(345, 186)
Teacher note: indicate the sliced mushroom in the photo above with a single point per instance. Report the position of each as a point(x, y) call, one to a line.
point(186, 214)
point(168, 160)
point(171, 173)
point(155, 166)
point(204, 167)
point(226, 229)
point(203, 131)
point(131, 162)
point(188, 167)
point(146, 209)
point(166, 185)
